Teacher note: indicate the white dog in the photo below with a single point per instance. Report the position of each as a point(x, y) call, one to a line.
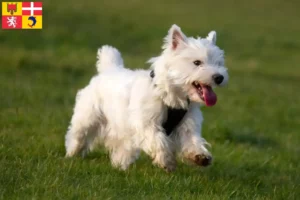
point(155, 110)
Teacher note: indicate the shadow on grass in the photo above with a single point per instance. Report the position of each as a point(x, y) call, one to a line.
point(251, 139)
point(249, 177)
point(246, 137)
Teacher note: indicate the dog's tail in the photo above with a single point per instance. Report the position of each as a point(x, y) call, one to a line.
point(108, 57)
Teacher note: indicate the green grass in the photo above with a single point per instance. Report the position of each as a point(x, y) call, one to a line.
point(254, 129)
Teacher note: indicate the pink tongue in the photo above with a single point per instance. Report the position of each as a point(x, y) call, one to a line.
point(209, 96)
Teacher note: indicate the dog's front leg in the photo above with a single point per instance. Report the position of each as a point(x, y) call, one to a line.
point(190, 145)
point(160, 147)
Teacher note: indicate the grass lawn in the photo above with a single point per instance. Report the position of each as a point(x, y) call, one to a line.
point(254, 129)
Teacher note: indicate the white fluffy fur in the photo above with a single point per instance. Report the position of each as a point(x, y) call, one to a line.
point(125, 109)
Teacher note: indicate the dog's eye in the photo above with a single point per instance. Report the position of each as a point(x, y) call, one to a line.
point(198, 62)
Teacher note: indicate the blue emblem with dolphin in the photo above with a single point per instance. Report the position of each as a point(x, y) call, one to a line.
point(33, 21)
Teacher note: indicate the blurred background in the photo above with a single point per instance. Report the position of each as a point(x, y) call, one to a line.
point(253, 129)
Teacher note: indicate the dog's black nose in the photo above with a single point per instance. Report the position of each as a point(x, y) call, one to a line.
point(218, 78)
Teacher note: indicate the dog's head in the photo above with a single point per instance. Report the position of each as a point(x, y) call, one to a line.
point(194, 65)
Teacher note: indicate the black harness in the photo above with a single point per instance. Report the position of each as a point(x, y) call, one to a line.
point(174, 116)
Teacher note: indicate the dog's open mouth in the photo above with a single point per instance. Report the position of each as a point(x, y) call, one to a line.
point(206, 93)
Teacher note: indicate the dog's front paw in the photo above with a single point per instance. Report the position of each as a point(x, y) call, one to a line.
point(170, 167)
point(166, 162)
point(202, 160)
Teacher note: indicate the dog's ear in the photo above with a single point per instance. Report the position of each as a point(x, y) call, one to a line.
point(212, 36)
point(175, 38)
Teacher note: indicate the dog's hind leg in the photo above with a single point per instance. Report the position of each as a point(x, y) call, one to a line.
point(84, 124)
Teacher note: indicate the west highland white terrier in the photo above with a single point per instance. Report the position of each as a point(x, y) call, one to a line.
point(156, 110)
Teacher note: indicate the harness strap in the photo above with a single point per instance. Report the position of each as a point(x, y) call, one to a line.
point(174, 116)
